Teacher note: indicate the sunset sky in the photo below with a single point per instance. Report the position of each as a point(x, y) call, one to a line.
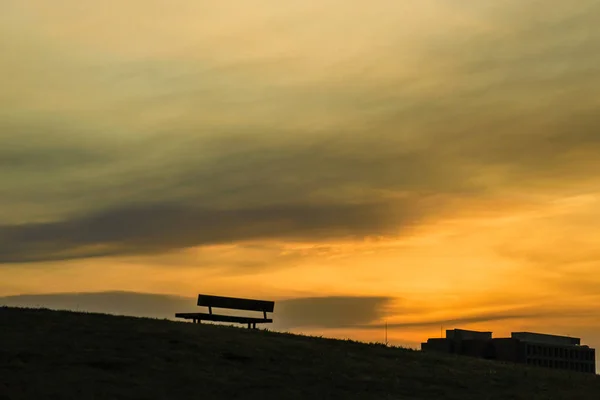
point(429, 163)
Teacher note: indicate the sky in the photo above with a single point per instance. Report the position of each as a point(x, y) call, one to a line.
point(427, 164)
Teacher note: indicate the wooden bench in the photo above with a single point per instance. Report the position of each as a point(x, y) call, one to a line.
point(231, 303)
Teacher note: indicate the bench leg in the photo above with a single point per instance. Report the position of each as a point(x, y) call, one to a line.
point(248, 325)
point(254, 325)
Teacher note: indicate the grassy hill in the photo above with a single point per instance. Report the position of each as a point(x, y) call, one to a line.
point(65, 355)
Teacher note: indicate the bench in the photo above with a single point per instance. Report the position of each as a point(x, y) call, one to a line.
point(231, 303)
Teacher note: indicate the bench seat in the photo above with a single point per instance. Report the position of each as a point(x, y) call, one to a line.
point(223, 318)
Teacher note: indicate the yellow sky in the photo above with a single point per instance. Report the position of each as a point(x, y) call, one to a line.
point(442, 155)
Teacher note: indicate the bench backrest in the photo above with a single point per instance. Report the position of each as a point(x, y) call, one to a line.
point(234, 303)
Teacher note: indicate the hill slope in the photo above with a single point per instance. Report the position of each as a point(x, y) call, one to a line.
point(62, 355)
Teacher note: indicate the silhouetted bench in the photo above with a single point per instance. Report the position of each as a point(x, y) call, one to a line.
point(231, 303)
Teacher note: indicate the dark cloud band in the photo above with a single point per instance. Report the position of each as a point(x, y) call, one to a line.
point(314, 312)
point(158, 228)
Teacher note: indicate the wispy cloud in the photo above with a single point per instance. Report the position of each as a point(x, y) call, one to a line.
point(530, 314)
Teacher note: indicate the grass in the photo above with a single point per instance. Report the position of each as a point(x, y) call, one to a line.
point(66, 355)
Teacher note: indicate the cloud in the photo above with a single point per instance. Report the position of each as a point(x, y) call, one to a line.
point(326, 312)
point(541, 312)
point(260, 125)
point(315, 312)
point(164, 227)
point(118, 303)
point(330, 312)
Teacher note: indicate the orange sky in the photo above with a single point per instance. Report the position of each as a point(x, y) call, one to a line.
point(439, 159)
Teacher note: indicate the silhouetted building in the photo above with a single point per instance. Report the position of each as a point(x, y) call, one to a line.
point(463, 334)
point(550, 351)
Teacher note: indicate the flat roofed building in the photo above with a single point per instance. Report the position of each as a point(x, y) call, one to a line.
point(558, 355)
point(463, 334)
point(545, 338)
point(536, 349)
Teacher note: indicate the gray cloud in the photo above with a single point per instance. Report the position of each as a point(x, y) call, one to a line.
point(118, 303)
point(327, 312)
point(131, 154)
point(331, 312)
point(265, 190)
point(321, 312)
point(164, 227)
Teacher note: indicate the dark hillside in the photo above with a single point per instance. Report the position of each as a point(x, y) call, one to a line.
point(64, 355)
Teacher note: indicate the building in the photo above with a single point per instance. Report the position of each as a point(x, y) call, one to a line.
point(550, 351)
